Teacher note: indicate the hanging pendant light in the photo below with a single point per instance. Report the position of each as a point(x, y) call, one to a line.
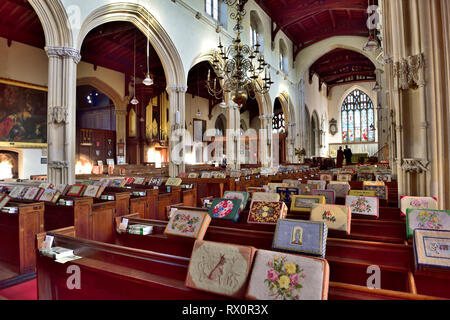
point(377, 87)
point(371, 44)
point(134, 101)
point(148, 81)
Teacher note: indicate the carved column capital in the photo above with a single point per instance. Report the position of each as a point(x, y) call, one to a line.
point(58, 164)
point(57, 114)
point(409, 72)
point(415, 165)
point(64, 52)
point(175, 88)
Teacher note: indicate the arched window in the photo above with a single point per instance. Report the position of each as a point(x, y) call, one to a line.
point(212, 8)
point(358, 118)
point(220, 126)
point(283, 58)
point(256, 31)
point(279, 123)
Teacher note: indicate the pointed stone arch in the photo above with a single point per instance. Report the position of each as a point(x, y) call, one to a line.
point(95, 82)
point(147, 23)
point(55, 22)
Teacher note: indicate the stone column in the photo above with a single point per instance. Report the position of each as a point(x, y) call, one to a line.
point(177, 129)
point(237, 139)
point(290, 142)
point(266, 140)
point(301, 116)
point(61, 129)
point(121, 127)
point(231, 139)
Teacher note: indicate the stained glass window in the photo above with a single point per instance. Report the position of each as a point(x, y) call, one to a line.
point(358, 118)
point(278, 123)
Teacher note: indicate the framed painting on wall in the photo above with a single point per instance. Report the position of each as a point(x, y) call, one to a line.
point(23, 114)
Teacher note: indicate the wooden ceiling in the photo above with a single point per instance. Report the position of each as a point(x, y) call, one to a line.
point(342, 66)
point(306, 22)
point(19, 22)
point(111, 45)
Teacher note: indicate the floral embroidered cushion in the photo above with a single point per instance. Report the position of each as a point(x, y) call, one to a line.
point(227, 209)
point(365, 176)
point(417, 203)
point(368, 206)
point(330, 195)
point(374, 183)
point(291, 183)
point(326, 176)
point(193, 175)
point(306, 189)
point(426, 219)
point(335, 217)
point(344, 177)
point(383, 177)
point(305, 203)
point(277, 276)
point(341, 189)
point(266, 196)
point(190, 224)
point(432, 248)
point(272, 187)
point(155, 182)
point(303, 237)
point(174, 182)
point(240, 195)
point(267, 212)
point(321, 184)
point(220, 268)
point(363, 193)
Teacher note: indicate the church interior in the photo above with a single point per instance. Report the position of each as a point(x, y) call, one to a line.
point(225, 150)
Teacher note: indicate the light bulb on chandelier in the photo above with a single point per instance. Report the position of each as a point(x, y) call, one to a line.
point(241, 70)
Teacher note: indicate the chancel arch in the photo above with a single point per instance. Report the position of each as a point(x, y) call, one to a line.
point(173, 71)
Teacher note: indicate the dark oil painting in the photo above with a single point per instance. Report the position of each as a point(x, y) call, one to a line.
point(23, 113)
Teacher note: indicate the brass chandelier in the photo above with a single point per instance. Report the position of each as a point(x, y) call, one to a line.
point(239, 66)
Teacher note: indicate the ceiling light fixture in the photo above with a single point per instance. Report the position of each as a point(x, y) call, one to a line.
point(371, 44)
point(377, 87)
point(242, 65)
point(148, 81)
point(134, 101)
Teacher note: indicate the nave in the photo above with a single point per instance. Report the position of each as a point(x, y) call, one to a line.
point(224, 149)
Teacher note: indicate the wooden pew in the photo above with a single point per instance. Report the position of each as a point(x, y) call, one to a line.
point(349, 259)
point(17, 234)
point(93, 219)
point(116, 273)
point(362, 229)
